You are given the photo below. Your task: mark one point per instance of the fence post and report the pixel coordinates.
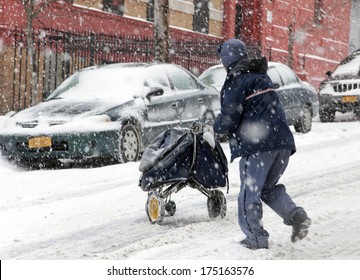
(92, 49)
(66, 59)
(14, 73)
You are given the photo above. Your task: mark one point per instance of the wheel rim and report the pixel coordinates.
(130, 145)
(154, 209)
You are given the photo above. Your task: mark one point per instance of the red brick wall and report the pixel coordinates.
(316, 49)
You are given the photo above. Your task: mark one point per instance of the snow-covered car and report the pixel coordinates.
(340, 92)
(298, 98)
(110, 111)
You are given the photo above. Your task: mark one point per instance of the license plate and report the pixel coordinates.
(39, 142)
(349, 99)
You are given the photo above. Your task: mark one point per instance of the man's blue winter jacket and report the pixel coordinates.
(251, 113)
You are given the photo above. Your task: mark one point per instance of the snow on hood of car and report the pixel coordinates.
(43, 126)
(62, 115)
(68, 109)
(350, 68)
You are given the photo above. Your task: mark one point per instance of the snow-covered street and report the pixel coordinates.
(98, 213)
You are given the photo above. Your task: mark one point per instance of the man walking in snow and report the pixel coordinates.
(254, 120)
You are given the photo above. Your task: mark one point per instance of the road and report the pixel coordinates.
(98, 213)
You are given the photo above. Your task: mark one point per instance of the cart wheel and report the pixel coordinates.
(170, 207)
(216, 204)
(155, 208)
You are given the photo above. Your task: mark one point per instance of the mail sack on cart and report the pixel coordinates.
(173, 156)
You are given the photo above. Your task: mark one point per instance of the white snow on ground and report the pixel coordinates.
(98, 213)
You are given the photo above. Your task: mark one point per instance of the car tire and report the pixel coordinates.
(304, 124)
(129, 143)
(327, 115)
(357, 113)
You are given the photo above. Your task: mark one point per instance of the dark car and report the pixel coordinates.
(110, 111)
(298, 98)
(340, 92)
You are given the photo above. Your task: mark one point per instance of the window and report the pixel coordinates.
(319, 11)
(238, 21)
(201, 16)
(287, 75)
(156, 77)
(274, 76)
(114, 6)
(181, 80)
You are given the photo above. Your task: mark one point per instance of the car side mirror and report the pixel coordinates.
(276, 85)
(155, 91)
(328, 74)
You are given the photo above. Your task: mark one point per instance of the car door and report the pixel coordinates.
(192, 98)
(162, 111)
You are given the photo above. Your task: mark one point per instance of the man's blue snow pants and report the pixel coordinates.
(259, 176)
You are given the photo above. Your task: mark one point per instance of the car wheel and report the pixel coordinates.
(129, 143)
(303, 125)
(327, 115)
(357, 113)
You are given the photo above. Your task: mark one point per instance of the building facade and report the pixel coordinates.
(311, 36)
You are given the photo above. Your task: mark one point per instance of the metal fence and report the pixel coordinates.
(59, 54)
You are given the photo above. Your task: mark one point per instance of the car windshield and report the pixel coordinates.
(107, 82)
(214, 77)
(350, 66)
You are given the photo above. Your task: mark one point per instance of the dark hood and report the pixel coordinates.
(232, 51)
(258, 65)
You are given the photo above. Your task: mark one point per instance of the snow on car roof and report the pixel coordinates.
(103, 82)
(118, 80)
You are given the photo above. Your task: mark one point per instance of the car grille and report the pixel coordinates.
(346, 87)
(60, 146)
(35, 123)
(27, 124)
